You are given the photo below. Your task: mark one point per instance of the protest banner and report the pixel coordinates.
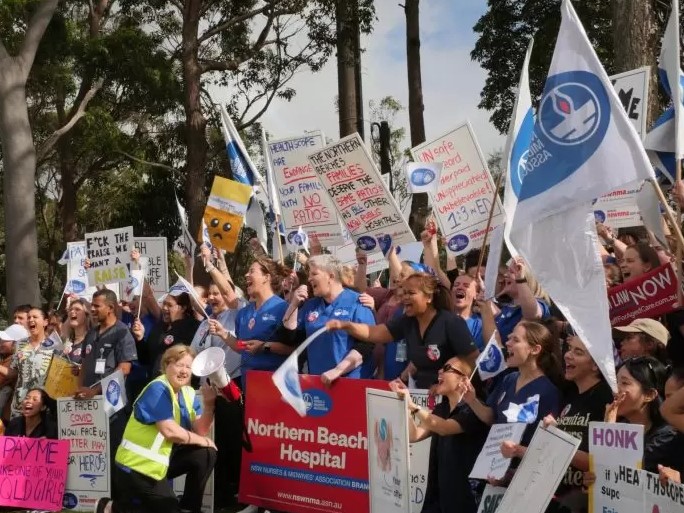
(303, 201)
(632, 89)
(541, 470)
(32, 472)
(208, 497)
(300, 464)
(618, 209)
(464, 197)
(659, 498)
(388, 452)
(368, 210)
(615, 452)
(419, 457)
(109, 253)
(225, 213)
(154, 248)
(490, 462)
(84, 423)
(491, 498)
(77, 275)
(650, 295)
(62, 378)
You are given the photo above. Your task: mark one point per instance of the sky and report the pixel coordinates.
(451, 81)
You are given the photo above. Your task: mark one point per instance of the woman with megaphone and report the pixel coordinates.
(166, 437)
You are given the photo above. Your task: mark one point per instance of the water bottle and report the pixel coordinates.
(401, 351)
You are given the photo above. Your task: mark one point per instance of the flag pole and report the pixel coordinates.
(495, 196)
(668, 213)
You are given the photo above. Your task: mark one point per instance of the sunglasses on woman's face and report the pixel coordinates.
(448, 368)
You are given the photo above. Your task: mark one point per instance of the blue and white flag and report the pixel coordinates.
(286, 378)
(581, 147)
(245, 172)
(185, 244)
(526, 412)
(113, 392)
(297, 240)
(491, 361)
(64, 258)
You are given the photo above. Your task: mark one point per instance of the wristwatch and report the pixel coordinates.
(267, 347)
(521, 280)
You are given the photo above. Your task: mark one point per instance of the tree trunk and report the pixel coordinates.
(346, 68)
(195, 122)
(19, 165)
(635, 37)
(419, 208)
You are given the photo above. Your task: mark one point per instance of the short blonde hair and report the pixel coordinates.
(328, 264)
(175, 353)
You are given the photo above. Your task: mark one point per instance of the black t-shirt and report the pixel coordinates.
(663, 446)
(579, 411)
(451, 460)
(46, 429)
(162, 337)
(446, 336)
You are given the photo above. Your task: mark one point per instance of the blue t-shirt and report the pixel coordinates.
(331, 347)
(394, 368)
(524, 405)
(511, 315)
(155, 404)
(474, 323)
(261, 324)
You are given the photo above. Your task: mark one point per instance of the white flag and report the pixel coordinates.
(491, 361)
(671, 75)
(297, 240)
(493, 261)
(184, 286)
(113, 392)
(581, 147)
(286, 378)
(185, 244)
(134, 286)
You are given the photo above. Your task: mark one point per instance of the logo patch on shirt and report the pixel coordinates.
(433, 352)
(88, 349)
(251, 323)
(340, 311)
(566, 410)
(268, 317)
(48, 343)
(76, 352)
(168, 340)
(312, 316)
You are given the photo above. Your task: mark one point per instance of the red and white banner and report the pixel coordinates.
(317, 463)
(650, 295)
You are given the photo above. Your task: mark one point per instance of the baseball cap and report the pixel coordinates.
(650, 327)
(15, 333)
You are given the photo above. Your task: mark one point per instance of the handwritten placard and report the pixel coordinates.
(109, 253)
(62, 378)
(464, 197)
(157, 268)
(368, 210)
(85, 425)
(303, 201)
(632, 89)
(491, 498)
(419, 455)
(490, 462)
(659, 497)
(32, 472)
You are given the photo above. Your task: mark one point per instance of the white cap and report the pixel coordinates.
(15, 333)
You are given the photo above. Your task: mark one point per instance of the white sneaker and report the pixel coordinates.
(249, 509)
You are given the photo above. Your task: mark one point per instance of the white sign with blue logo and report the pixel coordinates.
(389, 479)
(619, 209)
(490, 462)
(423, 177)
(463, 199)
(368, 210)
(77, 275)
(114, 392)
(303, 201)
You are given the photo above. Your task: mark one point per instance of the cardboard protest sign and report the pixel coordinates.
(225, 212)
(491, 498)
(490, 462)
(303, 201)
(423, 177)
(615, 453)
(32, 472)
(62, 378)
(632, 89)
(650, 295)
(157, 269)
(109, 253)
(388, 452)
(464, 196)
(419, 457)
(618, 209)
(84, 427)
(369, 212)
(541, 469)
(659, 498)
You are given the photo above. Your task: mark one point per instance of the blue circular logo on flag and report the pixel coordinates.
(77, 286)
(573, 119)
(458, 242)
(491, 361)
(422, 176)
(113, 393)
(600, 216)
(296, 238)
(366, 243)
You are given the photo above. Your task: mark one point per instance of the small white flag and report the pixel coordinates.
(53, 341)
(286, 378)
(297, 240)
(134, 286)
(423, 177)
(491, 361)
(113, 392)
(183, 285)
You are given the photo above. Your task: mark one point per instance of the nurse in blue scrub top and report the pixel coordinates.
(332, 354)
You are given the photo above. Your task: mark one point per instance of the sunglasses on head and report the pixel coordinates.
(448, 368)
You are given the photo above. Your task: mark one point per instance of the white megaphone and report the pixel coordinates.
(209, 364)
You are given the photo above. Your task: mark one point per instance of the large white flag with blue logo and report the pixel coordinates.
(581, 147)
